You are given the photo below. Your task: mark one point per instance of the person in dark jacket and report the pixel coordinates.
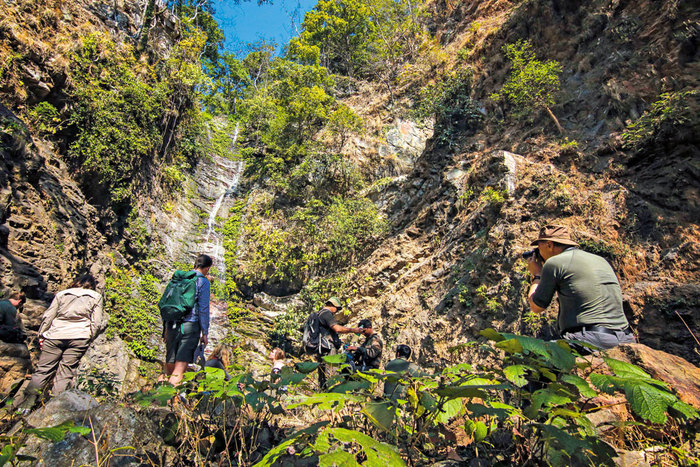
(368, 355)
(10, 326)
(400, 365)
(331, 329)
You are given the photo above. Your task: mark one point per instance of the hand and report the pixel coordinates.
(204, 340)
(534, 266)
(41, 343)
(351, 348)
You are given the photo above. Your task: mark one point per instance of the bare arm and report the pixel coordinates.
(343, 330)
(533, 306)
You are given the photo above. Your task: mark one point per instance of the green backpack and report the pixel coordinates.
(180, 296)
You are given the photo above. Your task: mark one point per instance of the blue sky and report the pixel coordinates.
(248, 22)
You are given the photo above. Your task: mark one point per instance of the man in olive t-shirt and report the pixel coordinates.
(590, 298)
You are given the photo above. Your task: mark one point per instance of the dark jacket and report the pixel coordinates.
(369, 354)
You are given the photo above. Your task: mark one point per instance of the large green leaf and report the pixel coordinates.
(450, 410)
(510, 346)
(336, 359)
(281, 448)
(6, 454)
(337, 459)
(56, 433)
(649, 402)
(351, 386)
(381, 414)
(624, 369)
(378, 454)
(687, 411)
(327, 400)
(492, 334)
(493, 409)
(551, 352)
(564, 448)
(583, 387)
(453, 392)
(306, 367)
(605, 383)
(516, 374)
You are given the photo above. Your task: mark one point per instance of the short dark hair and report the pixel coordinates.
(86, 281)
(404, 351)
(365, 323)
(203, 261)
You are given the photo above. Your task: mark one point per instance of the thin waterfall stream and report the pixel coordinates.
(213, 244)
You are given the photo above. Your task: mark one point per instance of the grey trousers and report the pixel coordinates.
(600, 339)
(59, 357)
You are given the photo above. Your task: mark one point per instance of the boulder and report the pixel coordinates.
(681, 375)
(61, 408)
(108, 367)
(15, 363)
(124, 436)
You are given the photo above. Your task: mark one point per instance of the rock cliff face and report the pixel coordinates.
(49, 230)
(451, 268)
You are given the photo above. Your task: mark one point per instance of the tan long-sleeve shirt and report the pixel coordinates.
(74, 314)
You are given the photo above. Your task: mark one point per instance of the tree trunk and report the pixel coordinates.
(554, 119)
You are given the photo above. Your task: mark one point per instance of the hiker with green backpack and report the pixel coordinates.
(184, 308)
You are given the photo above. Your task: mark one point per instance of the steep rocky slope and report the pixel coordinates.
(451, 268)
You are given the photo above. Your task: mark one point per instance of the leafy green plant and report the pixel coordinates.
(537, 396)
(132, 299)
(670, 111)
(45, 118)
(448, 101)
(493, 195)
(532, 84)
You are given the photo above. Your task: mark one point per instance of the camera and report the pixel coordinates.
(535, 252)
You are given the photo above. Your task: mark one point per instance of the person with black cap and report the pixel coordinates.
(368, 355)
(590, 298)
(321, 335)
(400, 365)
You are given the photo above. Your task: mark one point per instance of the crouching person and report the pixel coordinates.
(590, 298)
(74, 319)
(368, 355)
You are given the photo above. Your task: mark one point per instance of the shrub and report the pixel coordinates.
(132, 302)
(670, 111)
(532, 84)
(530, 406)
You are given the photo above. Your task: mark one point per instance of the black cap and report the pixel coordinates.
(365, 323)
(402, 350)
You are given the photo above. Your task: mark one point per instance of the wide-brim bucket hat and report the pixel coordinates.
(335, 302)
(555, 233)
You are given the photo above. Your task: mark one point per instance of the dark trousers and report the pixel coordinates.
(59, 360)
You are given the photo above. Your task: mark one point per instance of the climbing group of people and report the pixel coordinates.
(321, 338)
(591, 316)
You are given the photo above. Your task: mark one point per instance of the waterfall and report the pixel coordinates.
(212, 241)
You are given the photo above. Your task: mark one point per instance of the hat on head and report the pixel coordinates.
(555, 233)
(333, 301)
(365, 323)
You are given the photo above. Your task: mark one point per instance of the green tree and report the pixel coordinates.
(532, 84)
(343, 31)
